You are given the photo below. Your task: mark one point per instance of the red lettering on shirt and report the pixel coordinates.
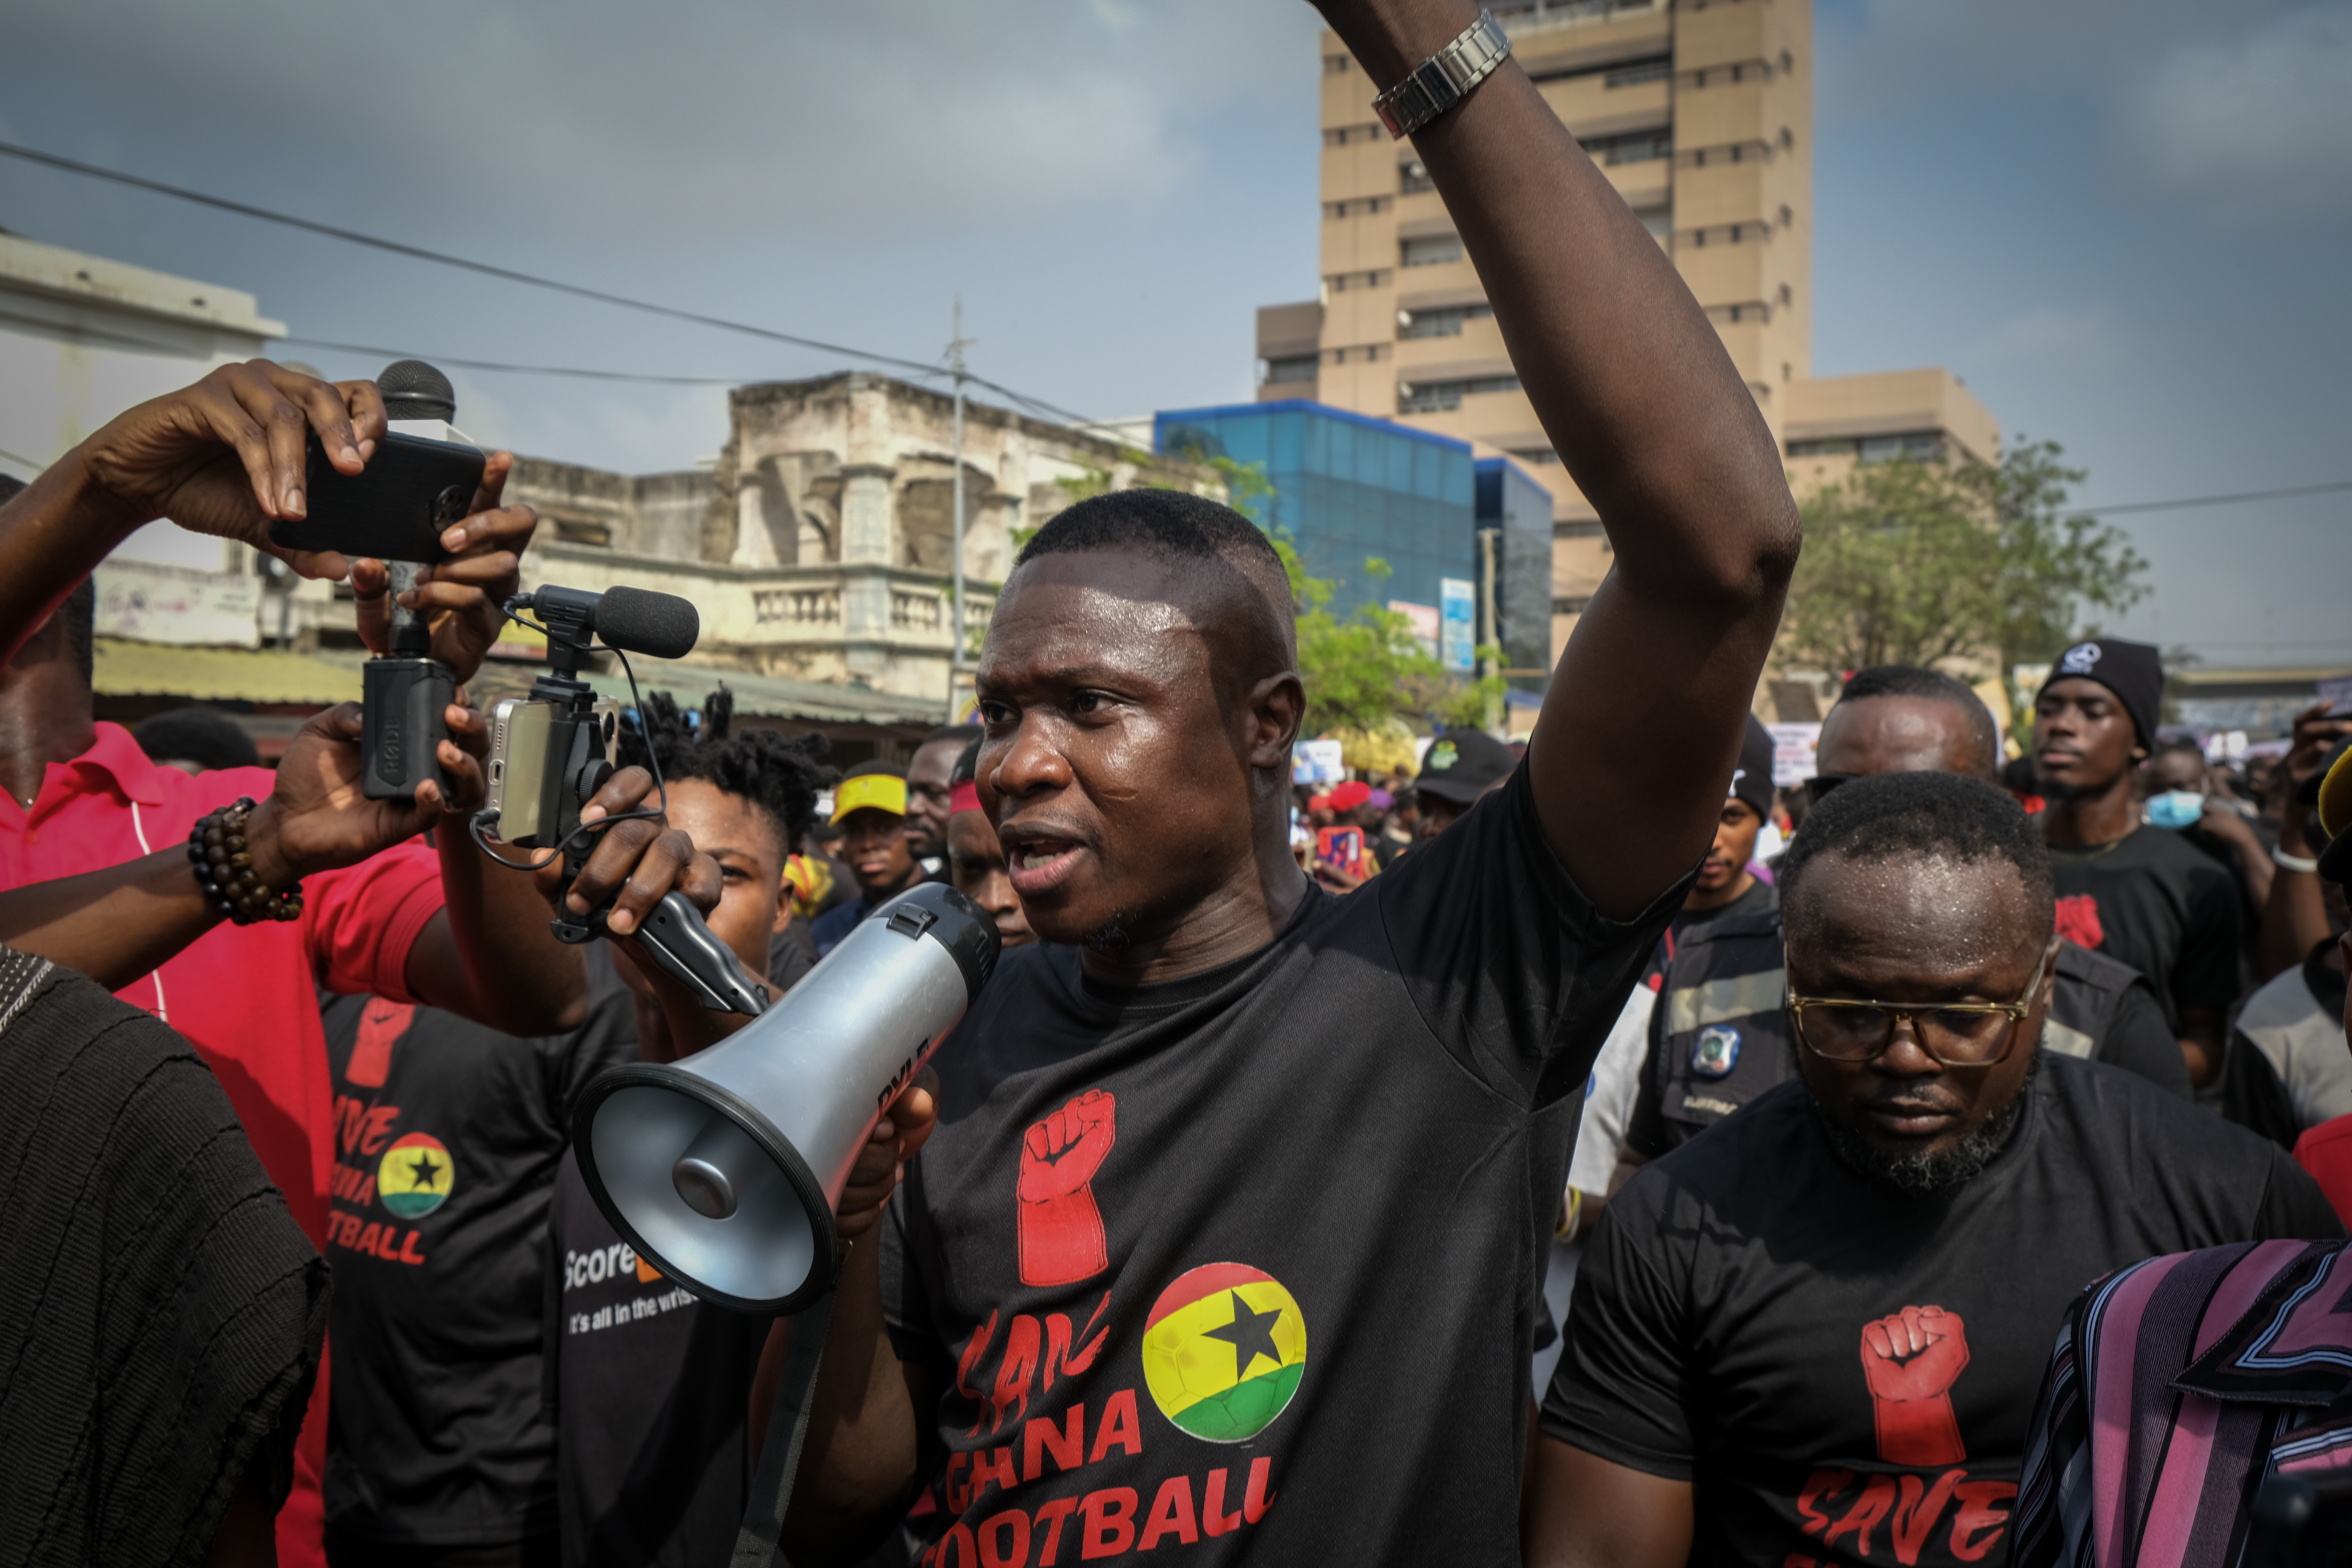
(1013, 1376)
(1258, 1497)
(1876, 1502)
(1004, 1540)
(1066, 1443)
(1213, 1517)
(1049, 1520)
(2078, 921)
(1120, 1428)
(1108, 1527)
(378, 1133)
(1820, 1487)
(1917, 1510)
(998, 1468)
(958, 1494)
(976, 1347)
(1171, 1514)
(1976, 1528)
(1059, 1359)
(381, 1023)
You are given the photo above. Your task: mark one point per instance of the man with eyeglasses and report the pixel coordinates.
(1719, 1038)
(1838, 1363)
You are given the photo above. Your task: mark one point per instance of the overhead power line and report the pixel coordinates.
(504, 368)
(529, 279)
(2215, 500)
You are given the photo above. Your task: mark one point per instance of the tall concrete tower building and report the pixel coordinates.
(1701, 114)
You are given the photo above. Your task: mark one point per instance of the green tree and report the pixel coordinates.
(1909, 563)
(1362, 671)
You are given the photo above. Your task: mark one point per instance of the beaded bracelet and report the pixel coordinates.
(225, 869)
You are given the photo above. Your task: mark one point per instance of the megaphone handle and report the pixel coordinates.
(756, 1544)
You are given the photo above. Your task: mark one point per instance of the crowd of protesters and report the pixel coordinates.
(1573, 1151)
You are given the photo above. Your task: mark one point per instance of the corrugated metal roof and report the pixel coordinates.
(818, 701)
(218, 674)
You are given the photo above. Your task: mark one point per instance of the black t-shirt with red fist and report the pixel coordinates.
(1246, 1263)
(446, 1140)
(2153, 900)
(1844, 1373)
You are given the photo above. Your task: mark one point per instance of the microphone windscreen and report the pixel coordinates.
(411, 389)
(637, 620)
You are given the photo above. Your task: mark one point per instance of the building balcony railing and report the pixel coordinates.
(1520, 18)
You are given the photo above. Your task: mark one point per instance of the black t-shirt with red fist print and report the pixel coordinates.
(2153, 900)
(1247, 1263)
(1844, 1373)
(447, 1136)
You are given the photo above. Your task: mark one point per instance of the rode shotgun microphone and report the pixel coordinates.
(723, 1170)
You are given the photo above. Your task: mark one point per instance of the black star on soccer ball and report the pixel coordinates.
(1250, 1334)
(424, 1170)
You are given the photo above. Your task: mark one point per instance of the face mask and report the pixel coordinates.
(2176, 809)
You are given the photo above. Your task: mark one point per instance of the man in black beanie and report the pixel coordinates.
(1725, 887)
(2125, 887)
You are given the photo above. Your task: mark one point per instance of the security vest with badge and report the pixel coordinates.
(1719, 1037)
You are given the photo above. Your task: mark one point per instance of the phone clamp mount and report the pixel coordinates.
(580, 742)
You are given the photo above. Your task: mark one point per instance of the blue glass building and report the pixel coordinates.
(1347, 486)
(1517, 512)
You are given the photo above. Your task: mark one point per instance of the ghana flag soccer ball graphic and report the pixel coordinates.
(1224, 1350)
(415, 1175)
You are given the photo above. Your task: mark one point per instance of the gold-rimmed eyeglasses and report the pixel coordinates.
(1954, 1033)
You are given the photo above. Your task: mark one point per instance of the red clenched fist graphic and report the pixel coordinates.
(1911, 1359)
(1061, 1228)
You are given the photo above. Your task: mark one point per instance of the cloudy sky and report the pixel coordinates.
(2123, 222)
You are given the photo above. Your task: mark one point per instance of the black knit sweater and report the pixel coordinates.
(161, 1314)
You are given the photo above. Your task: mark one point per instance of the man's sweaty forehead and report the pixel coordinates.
(1213, 600)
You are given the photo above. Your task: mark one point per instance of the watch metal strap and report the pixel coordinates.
(1445, 78)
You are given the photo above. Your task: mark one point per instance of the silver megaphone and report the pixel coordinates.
(723, 1170)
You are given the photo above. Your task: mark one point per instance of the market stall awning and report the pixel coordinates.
(219, 673)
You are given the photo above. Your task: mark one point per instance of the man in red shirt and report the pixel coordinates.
(93, 836)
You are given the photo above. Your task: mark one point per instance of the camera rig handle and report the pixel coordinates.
(674, 933)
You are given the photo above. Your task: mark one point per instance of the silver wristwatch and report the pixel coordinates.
(1445, 78)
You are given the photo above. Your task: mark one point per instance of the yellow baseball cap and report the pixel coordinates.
(869, 791)
(2335, 819)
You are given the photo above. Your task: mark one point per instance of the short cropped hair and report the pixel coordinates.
(952, 732)
(778, 775)
(1925, 816)
(967, 765)
(1189, 530)
(1930, 685)
(197, 734)
(1167, 522)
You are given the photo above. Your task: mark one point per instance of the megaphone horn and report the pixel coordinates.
(723, 1170)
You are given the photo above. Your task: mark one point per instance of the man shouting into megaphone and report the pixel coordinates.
(1230, 1233)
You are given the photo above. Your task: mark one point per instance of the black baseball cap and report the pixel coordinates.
(1463, 765)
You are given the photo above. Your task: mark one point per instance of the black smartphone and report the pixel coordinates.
(396, 509)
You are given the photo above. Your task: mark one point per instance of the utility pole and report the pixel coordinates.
(956, 345)
(1490, 631)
